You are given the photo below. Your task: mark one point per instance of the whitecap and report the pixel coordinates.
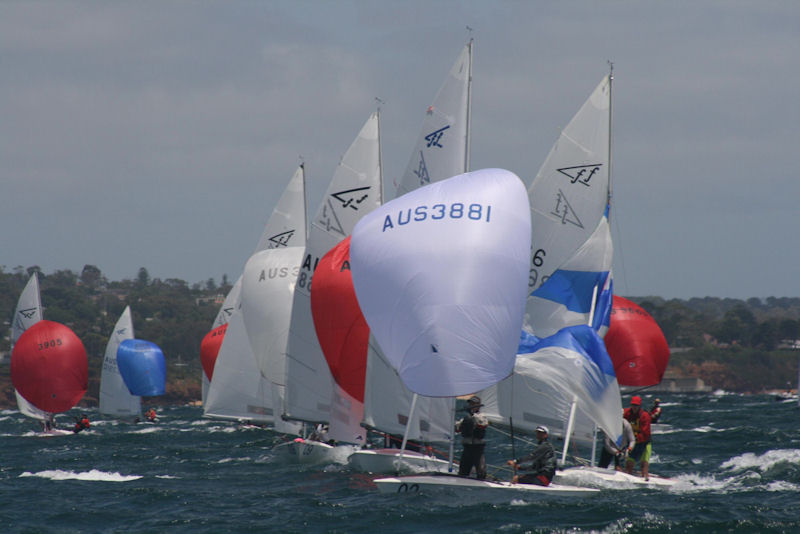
(764, 461)
(94, 475)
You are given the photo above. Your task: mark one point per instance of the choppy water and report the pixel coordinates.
(737, 460)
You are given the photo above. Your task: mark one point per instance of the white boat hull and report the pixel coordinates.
(306, 451)
(479, 489)
(389, 461)
(596, 477)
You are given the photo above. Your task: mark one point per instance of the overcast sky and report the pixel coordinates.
(160, 134)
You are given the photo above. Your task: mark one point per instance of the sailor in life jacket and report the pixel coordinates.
(473, 429)
(81, 424)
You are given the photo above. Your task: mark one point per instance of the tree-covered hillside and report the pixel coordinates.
(729, 343)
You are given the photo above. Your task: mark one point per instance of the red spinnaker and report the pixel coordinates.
(636, 344)
(49, 367)
(341, 328)
(209, 349)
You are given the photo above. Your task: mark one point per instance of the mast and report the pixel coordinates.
(610, 118)
(469, 105)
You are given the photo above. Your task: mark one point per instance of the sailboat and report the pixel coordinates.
(242, 388)
(27, 313)
(441, 151)
(217, 333)
(440, 275)
(311, 391)
(238, 391)
(49, 368)
(268, 284)
(115, 398)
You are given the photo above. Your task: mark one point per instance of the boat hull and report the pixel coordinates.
(479, 490)
(596, 477)
(389, 461)
(306, 451)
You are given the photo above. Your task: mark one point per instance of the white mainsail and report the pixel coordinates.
(354, 190)
(115, 398)
(442, 149)
(268, 286)
(28, 313)
(570, 194)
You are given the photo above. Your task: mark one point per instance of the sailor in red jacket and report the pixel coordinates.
(640, 422)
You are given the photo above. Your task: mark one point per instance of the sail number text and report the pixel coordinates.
(537, 260)
(456, 210)
(50, 343)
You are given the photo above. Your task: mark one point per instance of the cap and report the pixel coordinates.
(636, 400)
(474, 400)
(542, 428)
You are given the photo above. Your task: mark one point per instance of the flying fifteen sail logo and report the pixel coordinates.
(422, 171)
(434, 138)
(28, 313)
(581, 173)
(350, 198)
(281, 240)
(564, 211)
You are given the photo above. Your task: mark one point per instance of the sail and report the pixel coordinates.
(579, 291)
(28, 313)
(229, 305)
(115, 398)
(238, 390)
(442, 149)
(570, 366)
(636, 344)
(49, 367)
(354, 190)
(142, 366)
(268, 283)
(209, 350)
(440, 275)
(343, 336)
(387, 404)
(570, 193)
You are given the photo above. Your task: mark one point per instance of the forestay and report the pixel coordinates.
(440, 275)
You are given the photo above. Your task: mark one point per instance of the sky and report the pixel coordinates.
(160, 134)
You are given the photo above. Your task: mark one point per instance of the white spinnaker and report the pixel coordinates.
(440, 275)
(28, 313)
(571, 190)
(442, 149)
(115, 398)
(354, 190)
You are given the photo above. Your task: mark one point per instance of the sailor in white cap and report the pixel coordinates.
(542, 462)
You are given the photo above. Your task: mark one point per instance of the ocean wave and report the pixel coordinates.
(94, 475)
(763, 462)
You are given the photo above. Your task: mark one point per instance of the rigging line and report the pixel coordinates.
(516, 436)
